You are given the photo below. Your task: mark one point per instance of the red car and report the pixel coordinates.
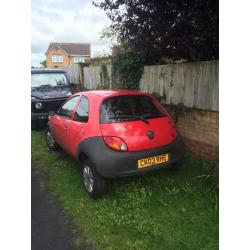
(114, 133)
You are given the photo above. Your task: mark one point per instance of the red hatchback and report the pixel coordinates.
(114, 133)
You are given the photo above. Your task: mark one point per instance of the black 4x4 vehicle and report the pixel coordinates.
(49, 89)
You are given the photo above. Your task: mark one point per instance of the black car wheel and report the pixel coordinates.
(94, 183)
(50, 141)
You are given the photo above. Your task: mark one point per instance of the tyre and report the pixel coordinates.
(50, 141)
(94, 183)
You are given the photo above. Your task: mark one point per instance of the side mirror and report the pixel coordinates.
(51, 113)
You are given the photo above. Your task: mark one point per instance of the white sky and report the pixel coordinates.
(66, 21)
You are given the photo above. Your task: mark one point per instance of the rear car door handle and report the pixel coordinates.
(65, 126)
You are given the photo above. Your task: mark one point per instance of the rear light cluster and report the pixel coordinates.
(115, 143)
(173, 129)
(173, 132)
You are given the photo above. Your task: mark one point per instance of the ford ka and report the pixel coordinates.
(114, 133)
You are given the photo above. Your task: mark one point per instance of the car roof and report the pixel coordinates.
(47, 70)
(102, 94)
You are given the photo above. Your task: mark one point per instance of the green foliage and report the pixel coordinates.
(171, 29)
(44, 63)
(105, 80)
(82, 65)
(176, 110)
(127, 68)
(160, 210)
(108, 32)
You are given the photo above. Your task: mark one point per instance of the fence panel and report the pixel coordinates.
(73, 72)
(92, 76)
(194, 84)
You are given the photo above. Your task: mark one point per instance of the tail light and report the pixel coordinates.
(173, 132)
(115, 143)
(173, 128)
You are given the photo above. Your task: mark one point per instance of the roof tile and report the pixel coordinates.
(72, 48)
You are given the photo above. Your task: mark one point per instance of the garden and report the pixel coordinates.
(161, 210)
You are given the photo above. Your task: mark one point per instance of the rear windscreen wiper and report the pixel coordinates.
(130, 116)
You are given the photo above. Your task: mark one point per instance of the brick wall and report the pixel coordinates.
(200, 131)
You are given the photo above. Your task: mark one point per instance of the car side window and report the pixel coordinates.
(68, 107)
(82, 111)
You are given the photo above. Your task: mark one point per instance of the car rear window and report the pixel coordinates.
(128, 108)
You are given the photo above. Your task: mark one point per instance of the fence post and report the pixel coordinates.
(81, 76)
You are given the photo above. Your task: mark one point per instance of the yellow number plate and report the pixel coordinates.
(147, 162)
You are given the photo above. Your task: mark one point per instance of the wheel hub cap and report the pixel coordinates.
(50, 139)
(88, 178)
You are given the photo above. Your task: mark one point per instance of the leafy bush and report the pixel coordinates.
(127, 68)
(105, 80)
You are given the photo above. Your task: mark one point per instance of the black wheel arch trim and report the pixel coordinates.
(109, 163)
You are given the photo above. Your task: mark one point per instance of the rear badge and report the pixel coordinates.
(150, 134)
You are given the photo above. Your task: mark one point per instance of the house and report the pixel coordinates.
(64, 54)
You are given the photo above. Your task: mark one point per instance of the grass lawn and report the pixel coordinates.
(160, 210)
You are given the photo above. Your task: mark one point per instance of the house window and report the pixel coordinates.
(78, 59)
(57, 58)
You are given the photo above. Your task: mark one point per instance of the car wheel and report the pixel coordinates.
(50, 141)
(94, 183)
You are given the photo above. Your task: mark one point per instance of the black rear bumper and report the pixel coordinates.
(111, 163)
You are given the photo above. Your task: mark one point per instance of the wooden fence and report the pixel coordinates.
(92, 76)
(74, 73)
(194, 84)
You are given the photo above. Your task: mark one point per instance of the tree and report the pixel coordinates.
(166, 28)
(44, 63)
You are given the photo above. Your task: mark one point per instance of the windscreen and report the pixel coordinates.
(128, 108)
(48, 79)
